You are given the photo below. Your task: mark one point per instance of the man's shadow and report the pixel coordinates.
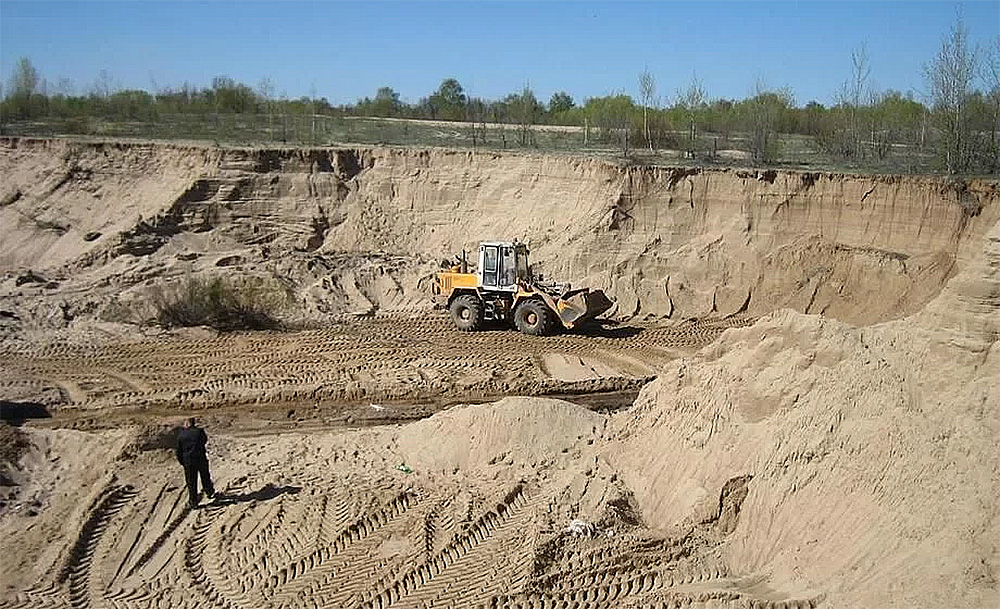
(265, 493)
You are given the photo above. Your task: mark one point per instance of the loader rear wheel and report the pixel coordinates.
(533, 317)
(467, 313)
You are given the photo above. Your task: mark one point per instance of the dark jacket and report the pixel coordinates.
(191, 443)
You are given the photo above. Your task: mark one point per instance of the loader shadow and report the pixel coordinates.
(16, 413)
(605, 329)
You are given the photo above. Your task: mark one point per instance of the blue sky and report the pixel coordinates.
(344, 50)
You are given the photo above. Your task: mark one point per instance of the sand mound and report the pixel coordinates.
(872, 451)
(521, 431)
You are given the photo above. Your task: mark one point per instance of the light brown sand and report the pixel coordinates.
(834, 445)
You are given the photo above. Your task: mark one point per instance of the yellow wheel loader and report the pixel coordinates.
(502, 290)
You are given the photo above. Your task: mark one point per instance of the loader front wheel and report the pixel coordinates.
(533, 317)
(467, 313)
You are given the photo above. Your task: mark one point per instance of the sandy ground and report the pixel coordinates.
(797, 403)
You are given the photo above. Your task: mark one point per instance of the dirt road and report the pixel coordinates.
(389, 368)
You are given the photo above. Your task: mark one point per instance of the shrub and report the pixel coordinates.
(223, 304)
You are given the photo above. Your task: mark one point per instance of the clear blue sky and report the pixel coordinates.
(344, 50)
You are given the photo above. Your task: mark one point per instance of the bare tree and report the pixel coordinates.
(104, 85)
(991, 76)
(855, 93)
(691, 102)
(949, 76)
(647, 90)
(524, 108)
(266, 90)
(25, 79)
(764, 110)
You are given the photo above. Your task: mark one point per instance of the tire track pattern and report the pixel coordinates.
(390, 358)
(83, 581)
(367, 548)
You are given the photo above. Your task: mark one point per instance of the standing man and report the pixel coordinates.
(191, 453)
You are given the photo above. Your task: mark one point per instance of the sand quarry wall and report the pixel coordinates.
(673, 242)
(871, 452)
(868, 450)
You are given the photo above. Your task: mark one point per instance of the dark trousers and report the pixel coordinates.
(191, 472)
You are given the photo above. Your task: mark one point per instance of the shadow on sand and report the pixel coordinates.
(266, 493)
(605, 328)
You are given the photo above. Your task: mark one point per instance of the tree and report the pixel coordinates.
(691, 103)
(477, 110)
(104, 85)
(991, 76)
(854, 94)
(612, 115)
(25, 79)
(647, 89)
(23, 95)
(231, 96)
(560, 102)
(763, 114)
(386, 102)
(266, 91)
(448, 102)
(949, 78)
(525, 109)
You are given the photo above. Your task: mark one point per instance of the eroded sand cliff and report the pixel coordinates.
(833, 445)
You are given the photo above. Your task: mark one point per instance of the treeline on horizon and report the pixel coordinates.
(960, 126)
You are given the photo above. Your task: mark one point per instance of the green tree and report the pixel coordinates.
(231, 96)
(525, 109)
(448, 102)
(762, 115)
(813, 116)
(612, 115)
(560, 102)
(23, 98)
(386, 102)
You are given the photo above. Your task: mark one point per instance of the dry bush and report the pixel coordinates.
(224, 304)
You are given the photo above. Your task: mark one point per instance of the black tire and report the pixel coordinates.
(467, 312)
(533, 317)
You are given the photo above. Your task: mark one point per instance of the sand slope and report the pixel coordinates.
(838, 451)
(872, 450)
(362, 230)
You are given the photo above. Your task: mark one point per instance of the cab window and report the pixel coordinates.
(490, 269)
(508, 275)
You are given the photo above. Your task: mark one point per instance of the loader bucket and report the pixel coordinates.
(578, 306)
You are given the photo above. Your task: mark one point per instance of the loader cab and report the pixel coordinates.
(502, 265)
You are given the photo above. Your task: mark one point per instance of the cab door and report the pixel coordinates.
(508, 268)
(490, 265)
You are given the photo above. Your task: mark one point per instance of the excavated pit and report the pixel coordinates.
(812, 356)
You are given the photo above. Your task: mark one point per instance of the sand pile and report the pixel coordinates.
(872, 451)
(522, 431)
